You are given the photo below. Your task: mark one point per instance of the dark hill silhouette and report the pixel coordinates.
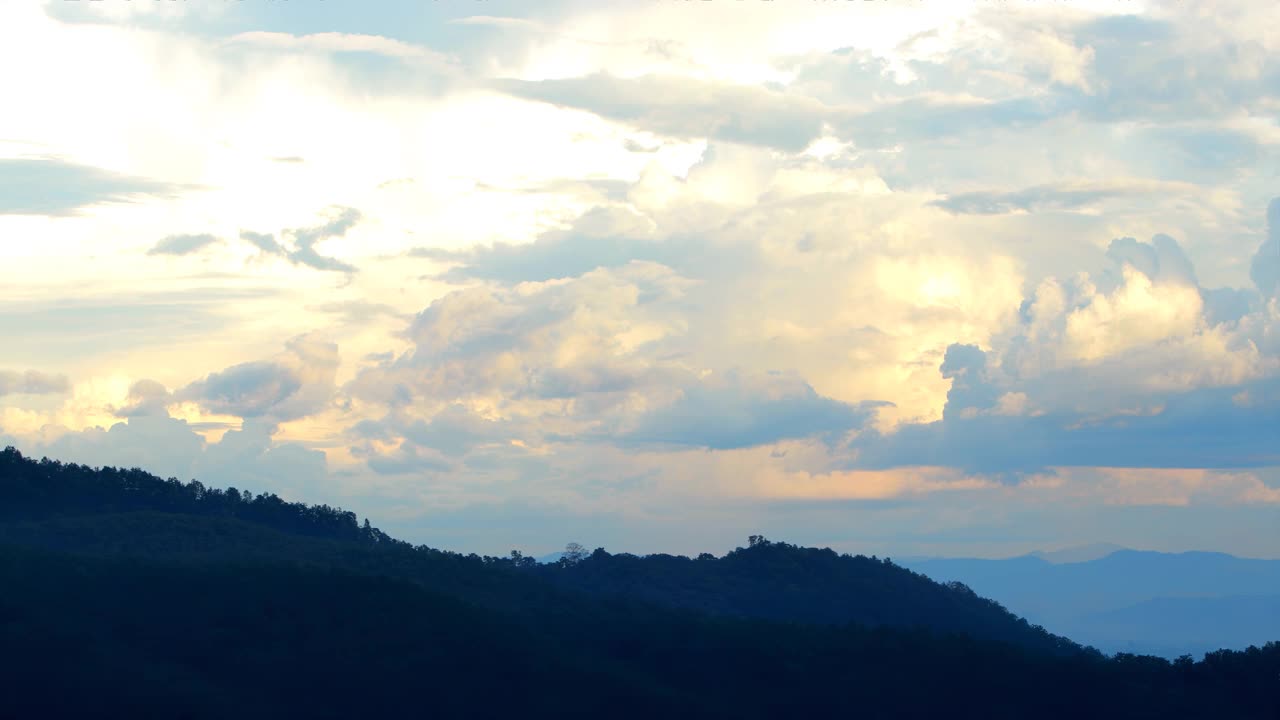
(131, 596)
(778, 581)
(75, 508)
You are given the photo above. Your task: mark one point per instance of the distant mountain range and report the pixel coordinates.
(1122, 600)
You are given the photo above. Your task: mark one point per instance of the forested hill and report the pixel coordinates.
(131, 596)
(779, 581)
(73, 507)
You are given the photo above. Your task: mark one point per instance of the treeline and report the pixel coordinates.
(784, 582)
(131, 596)
(37, 489)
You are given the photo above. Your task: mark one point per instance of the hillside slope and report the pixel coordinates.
(131, 596)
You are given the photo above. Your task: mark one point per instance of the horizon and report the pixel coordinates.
(899, 279)
(1108, 548)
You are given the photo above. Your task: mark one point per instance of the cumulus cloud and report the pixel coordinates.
(249, 389)
(1138, 375)
(32, 382)
(1265, 269)
(735, 411)
(297, 383)
(630, 237)
(592, 359)
(146, 398)
(182, 244)
(600, 238)
(245, 458)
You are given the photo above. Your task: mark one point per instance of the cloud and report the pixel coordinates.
(182, 244)
(535, 341)
(297, 383)
(1166, 79)
(123, 321)
(53, 186)
(1127, 369)
(1055, 197)
(337, 42)
(409, 459)
(264, 242)
(686, 108)
(305, 240)
(1196, 429)
(735, 412)
(249, 389)
(1265, 269)
(32, 382)
(600, 238)
(360, 312)
(246, 458)
(146, 398)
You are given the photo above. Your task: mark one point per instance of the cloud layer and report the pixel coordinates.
(877, 276)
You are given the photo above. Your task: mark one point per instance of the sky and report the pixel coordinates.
(906, 277)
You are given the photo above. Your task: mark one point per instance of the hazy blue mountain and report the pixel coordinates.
(1173, 626)
(1081, 553)
(1137, 601)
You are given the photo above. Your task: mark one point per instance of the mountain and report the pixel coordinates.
(132, 596)
(114, 512)
(778, 581)
(1081, 553)
(1173, 626)
(1102, 601)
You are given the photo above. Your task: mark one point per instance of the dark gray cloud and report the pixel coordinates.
(305, 240)
(739, 412)
(32, 382)
(1198, 429)
(1229, 305)
(297, 383)
(182, 244)
(52, 186)
(1162, 260)
(966, 367)
(408, 458)
(1265, 269)
(250, 389)
(454, 431)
